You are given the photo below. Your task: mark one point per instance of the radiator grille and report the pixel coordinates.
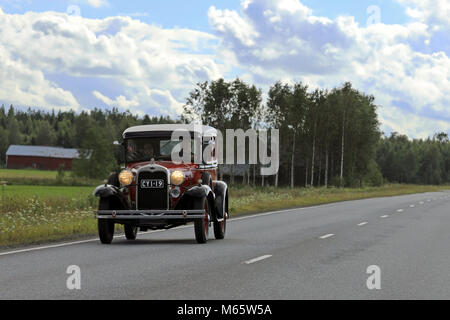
(152, 198)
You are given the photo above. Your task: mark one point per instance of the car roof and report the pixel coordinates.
(155, 129)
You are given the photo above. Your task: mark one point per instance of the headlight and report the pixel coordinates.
(126, 177)
(177, 177)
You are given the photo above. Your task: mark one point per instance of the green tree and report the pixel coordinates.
(4, 143)
(97, 158)
(45, 134)
(14, 135)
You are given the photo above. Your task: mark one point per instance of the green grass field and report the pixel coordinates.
(36, 214)
(6, 174)
(244, 200)
(47, 191)
(43, 178)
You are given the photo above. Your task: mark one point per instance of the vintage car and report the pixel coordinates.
(155, 192)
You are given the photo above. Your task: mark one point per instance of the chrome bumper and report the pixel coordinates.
(149, 214)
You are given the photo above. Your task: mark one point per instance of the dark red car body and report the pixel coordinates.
(152, 200)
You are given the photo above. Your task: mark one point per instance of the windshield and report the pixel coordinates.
(144, 149)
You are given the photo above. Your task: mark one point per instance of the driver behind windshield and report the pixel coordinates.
(148, 152)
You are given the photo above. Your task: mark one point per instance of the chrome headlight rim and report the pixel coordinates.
(177, 177)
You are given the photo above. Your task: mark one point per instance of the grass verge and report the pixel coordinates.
(37, 214)
(246, 200)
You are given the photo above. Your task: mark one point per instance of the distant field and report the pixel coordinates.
(46, 192)
(26, 173)
(43, 178)
(31, 214)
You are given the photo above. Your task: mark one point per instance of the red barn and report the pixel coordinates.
(43, 158)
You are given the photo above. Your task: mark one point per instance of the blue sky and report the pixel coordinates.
(168, 14)
(193, 14)
(146, 56)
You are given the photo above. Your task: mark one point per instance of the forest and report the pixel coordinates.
(327, 137)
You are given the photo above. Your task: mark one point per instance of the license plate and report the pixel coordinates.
(152, 183)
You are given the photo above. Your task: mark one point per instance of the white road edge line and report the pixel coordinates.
(258, 259)
(362, 223)
(67, 244)
(326, 236)
(150, 232)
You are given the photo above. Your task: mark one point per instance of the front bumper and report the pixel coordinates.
(150, 215)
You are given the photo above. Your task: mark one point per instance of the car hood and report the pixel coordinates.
(168, 164)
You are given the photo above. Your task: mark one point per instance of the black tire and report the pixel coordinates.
(105, 226)
(130, 232)
(220, 227)
(201, 226)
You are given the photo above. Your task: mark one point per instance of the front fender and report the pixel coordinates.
(106, 191)
(221, 199)
(198, 191)
(114, 194)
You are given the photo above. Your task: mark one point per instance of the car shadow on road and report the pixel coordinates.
(154, 242)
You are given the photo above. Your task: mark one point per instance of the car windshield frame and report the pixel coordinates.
(136, 149)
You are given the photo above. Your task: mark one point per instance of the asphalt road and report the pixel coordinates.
(311, 253)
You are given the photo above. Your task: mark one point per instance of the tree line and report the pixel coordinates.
(94, 130)
(327, 137)
(415, 161)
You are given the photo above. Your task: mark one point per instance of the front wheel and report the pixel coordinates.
(105, 231)
(105, 227)
(219, 228)
(201, 226)
(130, 232)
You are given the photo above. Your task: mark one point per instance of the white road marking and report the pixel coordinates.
(362, 224)
(385, 216)
(281, 211)
(326, 236)
(412, 206)
(181, 227)
(72, 243)
(400, 210)
(421, 202)
(47, 247)
(154, 231)
(428, 200)
(257, 259)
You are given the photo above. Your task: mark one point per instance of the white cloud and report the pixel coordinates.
(435, 13)
(98, 3)
(21, 86)
(120, 101)
(227, 21)
(289, 42)
(149, 69)
(152, 68)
